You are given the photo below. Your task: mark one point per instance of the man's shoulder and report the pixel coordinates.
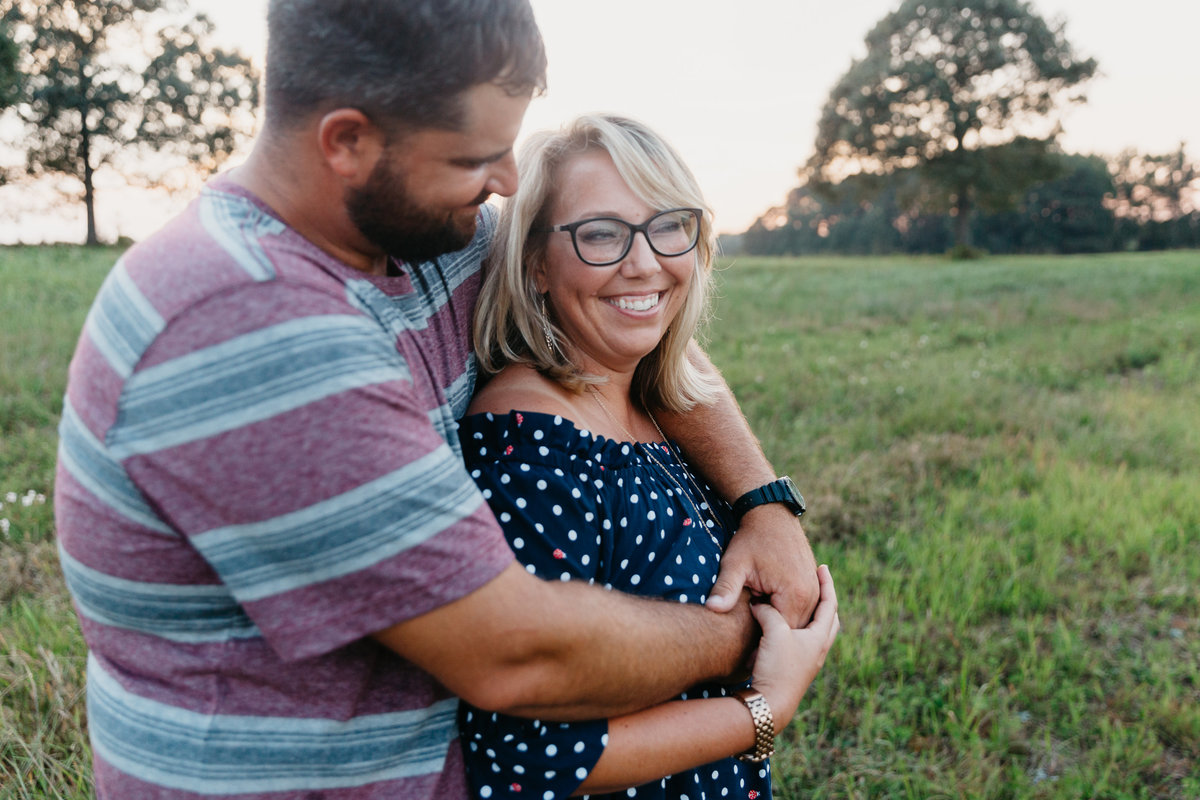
(223, 268)
(223, 240)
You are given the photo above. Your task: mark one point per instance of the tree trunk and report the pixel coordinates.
(89, 190)
(962, 218)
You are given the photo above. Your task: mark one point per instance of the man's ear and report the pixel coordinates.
(350, 143)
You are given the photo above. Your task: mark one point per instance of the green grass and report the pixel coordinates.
(1001, 460)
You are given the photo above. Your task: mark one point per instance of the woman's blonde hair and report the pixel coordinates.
(509, 318)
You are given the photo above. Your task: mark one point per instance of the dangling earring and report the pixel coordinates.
(546, 330)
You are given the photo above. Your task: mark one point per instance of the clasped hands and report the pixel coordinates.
(769, 559)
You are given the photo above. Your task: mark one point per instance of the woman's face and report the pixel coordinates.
(612, 315)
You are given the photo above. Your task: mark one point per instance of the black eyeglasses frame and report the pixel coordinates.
(643, 229)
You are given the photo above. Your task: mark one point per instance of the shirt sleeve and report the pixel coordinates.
(282, 433)
(552, 517)
(551, 514)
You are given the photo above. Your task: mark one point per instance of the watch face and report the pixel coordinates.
(794, 494)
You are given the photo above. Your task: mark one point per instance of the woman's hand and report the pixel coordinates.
(788, 660)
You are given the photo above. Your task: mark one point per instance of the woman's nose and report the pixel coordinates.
(641, 258)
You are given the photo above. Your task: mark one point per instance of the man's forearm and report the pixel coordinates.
(770, 553)
(628, 652)
(569, 650)
(718, 441)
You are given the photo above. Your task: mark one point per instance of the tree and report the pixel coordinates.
(10, 79)
(1153, 187)
(1069, 214)
(109, 79)
(964, 92)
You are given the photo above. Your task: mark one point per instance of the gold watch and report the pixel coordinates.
(764, 725)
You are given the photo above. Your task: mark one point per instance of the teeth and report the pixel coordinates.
(643, 304)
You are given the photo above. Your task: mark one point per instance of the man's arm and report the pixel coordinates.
(567, 650)
(770, 553)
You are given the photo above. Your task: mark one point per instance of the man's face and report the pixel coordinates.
(423, 195)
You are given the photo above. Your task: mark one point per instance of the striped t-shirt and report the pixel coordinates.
(258, 467)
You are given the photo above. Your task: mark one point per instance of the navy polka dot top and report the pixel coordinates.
(575, 506)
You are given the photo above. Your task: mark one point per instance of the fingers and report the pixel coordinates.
(794, 607)
(826, 616)
(769, 619)
(730, 580)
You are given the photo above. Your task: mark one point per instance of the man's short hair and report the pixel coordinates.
(403, 62)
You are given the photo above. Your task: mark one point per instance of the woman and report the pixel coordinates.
(598, 280)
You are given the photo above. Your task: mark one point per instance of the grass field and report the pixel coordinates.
(1002, 459)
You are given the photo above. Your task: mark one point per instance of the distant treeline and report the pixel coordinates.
(1092, 205)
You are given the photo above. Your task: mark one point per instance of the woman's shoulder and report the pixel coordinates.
(519, 387)
(521, 415)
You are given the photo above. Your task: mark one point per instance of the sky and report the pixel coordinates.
(748, 79)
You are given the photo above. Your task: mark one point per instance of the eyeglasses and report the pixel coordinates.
(603, 241)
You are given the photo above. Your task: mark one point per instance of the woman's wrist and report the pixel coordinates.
(780, 703)
(764, 725)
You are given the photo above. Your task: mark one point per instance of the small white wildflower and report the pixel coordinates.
(863, 344)
(11, 497)
(899, 390)
(4, 525)
(27, 500)
(40, 499)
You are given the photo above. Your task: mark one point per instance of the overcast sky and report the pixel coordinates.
(750, 77)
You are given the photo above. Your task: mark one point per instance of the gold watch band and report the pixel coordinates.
(764, 725)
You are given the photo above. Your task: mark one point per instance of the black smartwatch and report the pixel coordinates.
(780, 490)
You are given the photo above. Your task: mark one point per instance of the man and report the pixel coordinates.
(282, 570)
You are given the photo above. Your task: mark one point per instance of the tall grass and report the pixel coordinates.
(1001, 461)
(44, 296)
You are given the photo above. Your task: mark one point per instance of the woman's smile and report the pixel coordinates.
(635, 302)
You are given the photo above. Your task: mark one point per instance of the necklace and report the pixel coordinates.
(648, 450)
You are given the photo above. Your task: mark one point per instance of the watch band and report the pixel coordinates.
(780, 490)
(764, 725)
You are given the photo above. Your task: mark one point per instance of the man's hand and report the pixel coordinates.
(769, 555)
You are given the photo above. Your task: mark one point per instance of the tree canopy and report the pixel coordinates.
(110, 77)
(1130, 201)
(964, 93)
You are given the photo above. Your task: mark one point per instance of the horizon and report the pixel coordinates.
(739, 97)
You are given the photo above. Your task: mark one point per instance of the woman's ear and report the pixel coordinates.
(350, 144)
(538, 273)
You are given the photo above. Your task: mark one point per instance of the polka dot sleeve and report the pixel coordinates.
(543, 497)
(546, 504)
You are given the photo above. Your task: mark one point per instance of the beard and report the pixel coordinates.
(385, 213)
